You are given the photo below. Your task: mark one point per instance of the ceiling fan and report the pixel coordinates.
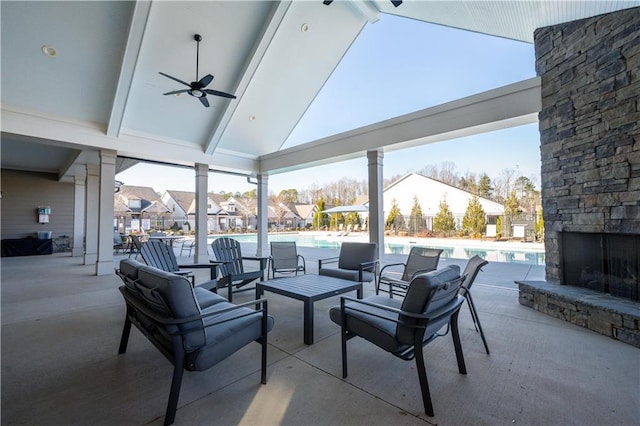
(197, 87)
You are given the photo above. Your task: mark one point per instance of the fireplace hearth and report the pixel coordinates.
(608, 263)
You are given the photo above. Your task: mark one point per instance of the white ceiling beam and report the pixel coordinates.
(368, 10)
(87, 135)
(127, 70)
(254, 59)
(508, 106)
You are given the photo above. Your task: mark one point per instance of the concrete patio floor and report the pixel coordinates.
(61, 328)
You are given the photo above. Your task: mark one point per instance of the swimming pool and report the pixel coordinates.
(454, 248)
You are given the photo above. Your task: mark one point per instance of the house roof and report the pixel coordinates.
(182, 198)
(431, 192)
(102, 91)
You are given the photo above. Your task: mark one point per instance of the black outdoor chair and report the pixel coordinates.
(159, 255)
(135, 245)
(117, 242)
(356, 262)
(193, 328)
(285, 259)
(229, 255)
(470, 273)
(403, 327)
(187, 245)
(420, 260)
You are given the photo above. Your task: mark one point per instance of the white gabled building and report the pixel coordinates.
(430, 193)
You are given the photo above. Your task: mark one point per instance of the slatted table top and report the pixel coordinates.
(309, 287)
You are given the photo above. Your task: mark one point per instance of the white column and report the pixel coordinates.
(263, 215)
(376, 205)
(202, 189)
(92, 191)
(104, 265)
(79, 213)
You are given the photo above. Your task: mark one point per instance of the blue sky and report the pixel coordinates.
(397, 66)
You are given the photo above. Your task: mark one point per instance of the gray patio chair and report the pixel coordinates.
(229, 254)
(135, 245)
(193, 328)
(285, 259)
(470, 273)
(356, 262)
(420, 260)
(118, 244)
(404, 327)
(159, 255)
(188, 245)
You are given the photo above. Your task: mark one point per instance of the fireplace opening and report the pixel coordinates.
(608, 263)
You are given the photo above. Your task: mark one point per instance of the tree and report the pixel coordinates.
(288, 196)
(352, 218)
(468, 183)
(485, 189)
(394, 220)
(511, 209)
(251, 195)
(474, 220)
(416, 221)
(320, 218)
(444, 220)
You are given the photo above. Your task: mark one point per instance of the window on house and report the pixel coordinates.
(135, 204)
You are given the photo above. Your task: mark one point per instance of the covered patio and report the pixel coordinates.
(61, 328)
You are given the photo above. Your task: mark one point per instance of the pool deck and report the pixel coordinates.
(61, 326)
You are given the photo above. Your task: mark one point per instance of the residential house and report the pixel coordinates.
(305, 213)
(430, 193)
(139, 208)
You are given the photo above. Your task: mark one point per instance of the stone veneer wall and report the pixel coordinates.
(590, 136)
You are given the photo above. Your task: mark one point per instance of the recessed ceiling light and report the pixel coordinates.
(304, 28)
(49, 51)
(252, 117)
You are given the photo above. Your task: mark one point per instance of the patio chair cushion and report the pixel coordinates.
(417, 300)
(347, 274)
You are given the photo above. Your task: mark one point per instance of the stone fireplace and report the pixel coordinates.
(607, 263)
(590, 150)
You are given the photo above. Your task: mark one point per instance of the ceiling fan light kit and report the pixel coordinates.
(197, 88)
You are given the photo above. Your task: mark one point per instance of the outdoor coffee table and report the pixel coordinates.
(308, 288)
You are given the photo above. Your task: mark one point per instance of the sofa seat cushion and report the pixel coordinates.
(223, 339)
(347, 274)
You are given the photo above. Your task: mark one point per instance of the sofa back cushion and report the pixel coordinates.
(172, 295)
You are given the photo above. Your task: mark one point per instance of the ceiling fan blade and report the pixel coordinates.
(204, 101)
(204, 81)
(176, 92)
(175, 79)
(218, 93)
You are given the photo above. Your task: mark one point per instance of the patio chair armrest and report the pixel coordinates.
(422, 318)
(263, 260)
(212, 266)
(302, 257)
(389, 265)
(369, 265)
(421, 271)
(162, 319)
(327, 260)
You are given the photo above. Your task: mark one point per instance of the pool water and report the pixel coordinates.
(456, 251)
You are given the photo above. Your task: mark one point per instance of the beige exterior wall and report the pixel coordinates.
(23, 192)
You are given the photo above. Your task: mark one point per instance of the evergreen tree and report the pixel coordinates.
(485, 189)
(394, 220)
(444, 220)
(320, 218)
(416, 221)
(474, 220)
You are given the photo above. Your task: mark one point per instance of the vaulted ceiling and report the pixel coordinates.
(102, 89)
